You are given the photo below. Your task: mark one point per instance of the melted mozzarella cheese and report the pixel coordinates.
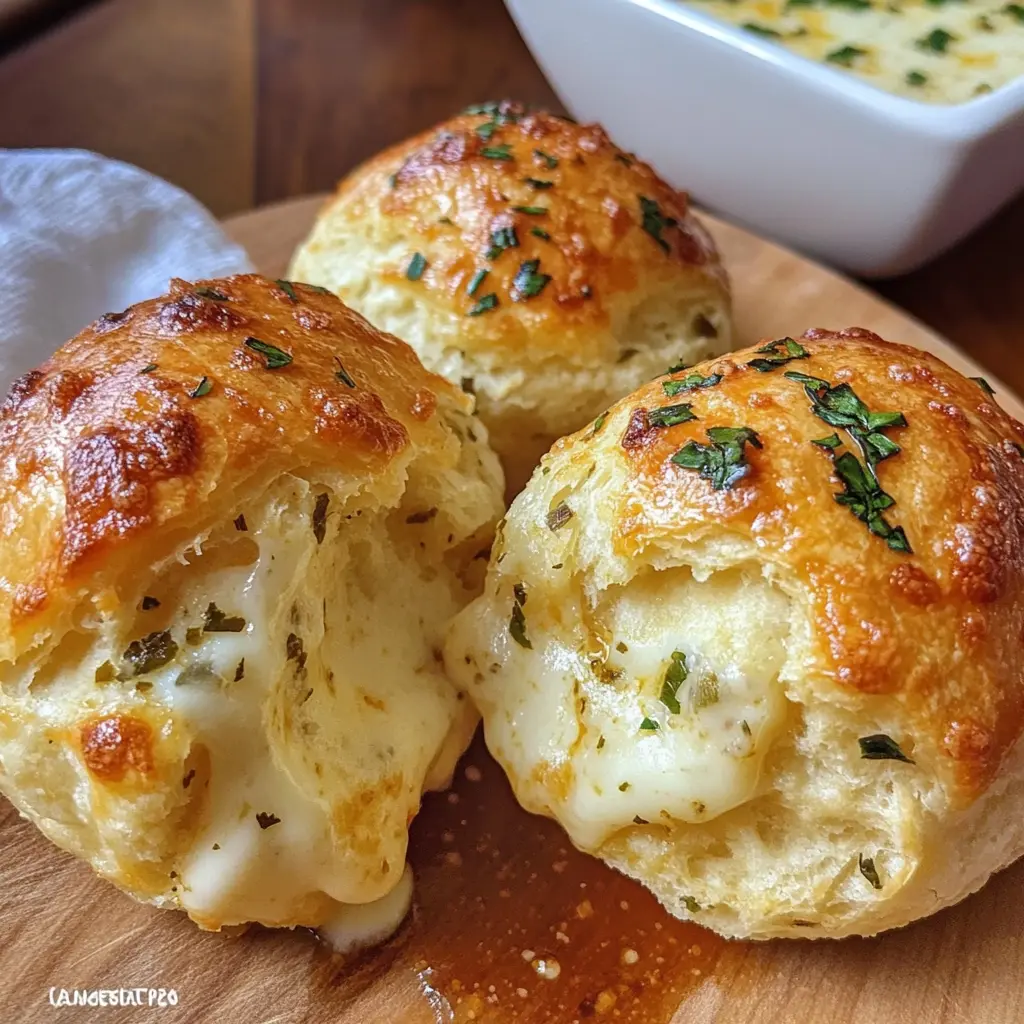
(353, 928)
(584, 730)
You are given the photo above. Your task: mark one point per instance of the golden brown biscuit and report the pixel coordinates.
(528, 259)
(235, 520)
(755, 638)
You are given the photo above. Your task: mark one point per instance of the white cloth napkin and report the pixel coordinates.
(81, 235)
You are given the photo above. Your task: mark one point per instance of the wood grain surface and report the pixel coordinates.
(494, 882)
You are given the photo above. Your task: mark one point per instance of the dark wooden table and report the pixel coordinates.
(244, 102)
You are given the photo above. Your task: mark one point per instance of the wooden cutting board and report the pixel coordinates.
(499, 890)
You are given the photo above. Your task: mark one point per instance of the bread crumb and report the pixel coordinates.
(522, 993)
(630, 956)
(528, 955)
(584, 910)
(473, 773)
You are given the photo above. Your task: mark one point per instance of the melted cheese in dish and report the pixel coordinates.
(591, 732)
(937, 52)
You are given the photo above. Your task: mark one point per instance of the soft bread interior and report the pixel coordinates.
(282, 675)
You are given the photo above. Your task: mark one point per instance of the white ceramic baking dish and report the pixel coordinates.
(795, 150)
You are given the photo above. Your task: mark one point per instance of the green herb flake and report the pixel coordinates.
(490, 108)
(529, 282)
(845, 55)
(194, 636)
(654, 222)
(485, 305)
(540, 233)
(204, 387)
(984, 385)
(623, 787)
(559, 516)
(445, 220)
(599, 423)
(343, 375)
(1015, 11)
(549, 161)
(624, 158)
(868, 870)
(240, 671)
(830, 443)
(502, 152)
(215, 621)
(880, 747)
(840, 406)
(289, 289)
(205, 292)
(705, 694)
(690, 382)
(148, 368)
(320, 517)
(937, 41)
(502, 239)
(648, 725)
(539, 184)
(149, 602)
(916, 78)
(532, 211)
(675, 676)
(266, 820)
(517, 624)
(275, 358)
(475, 281)
(637, 820)
(417, 265)
(778, 353)
(319, 289)
(151, 652)
(487, 129)
(723, 462)
(671, 415)
(691, 904)
(761, 30)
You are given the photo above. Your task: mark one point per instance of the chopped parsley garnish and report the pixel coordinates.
(215, 621)
(205, 292)
(342, 374)
(319, 289)
(532, 211)
(867, 869)
(266, 820)
(549, 161)
(675, 676)
(599, 423)
(502, 239)
(489, 109)
(540, 184)
(416, 267)
(487, 129)
(276, 358)
(529, 282)
(487, 303)
(840, 406)
(320, 517)
(623, 786)
(691, 904)
(830, 443)
(761, 30)
(723, 462)
(845, 55)
(475, 281)
(540, 233)
(937, 40)
(445, 220)
(289, 289)
(778, 353)
(984, 385)
(880, 747)
(517, 624)
(670, 415)
(690, 382)
(148, 368)
(151, 652)
(654, 221)
(149, 602)
(916, 78)
(502, 152)
(559, 516)
(648, 725)
(204, 387)
(1016, 11)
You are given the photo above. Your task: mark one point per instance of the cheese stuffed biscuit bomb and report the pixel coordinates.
(755, 638)
(235, 520)
(528, 259)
